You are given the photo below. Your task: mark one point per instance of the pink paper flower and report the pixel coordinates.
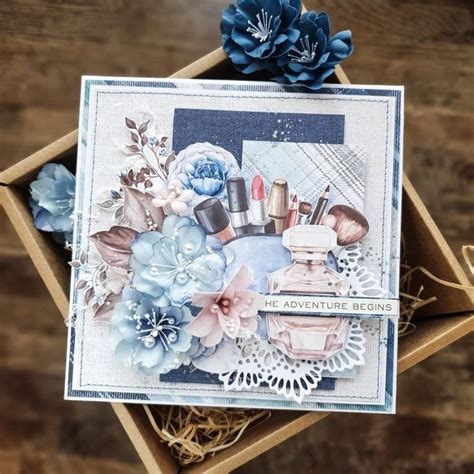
(232, 312)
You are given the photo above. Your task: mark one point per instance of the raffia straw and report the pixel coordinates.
(411, 301)
(193, 433)
(465, 249)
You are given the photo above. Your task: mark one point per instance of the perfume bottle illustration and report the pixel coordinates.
(308, 273)
(308, 337)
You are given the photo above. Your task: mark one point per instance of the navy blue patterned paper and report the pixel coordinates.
(228, 128)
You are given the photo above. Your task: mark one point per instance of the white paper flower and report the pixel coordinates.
(134, 163)
(173, 198)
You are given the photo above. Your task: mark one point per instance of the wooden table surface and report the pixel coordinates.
(45, 46)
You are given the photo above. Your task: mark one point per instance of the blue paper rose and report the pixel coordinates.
(256, 32)
(180, 260)
(203, 168)
(314, 56)
(52, 201)
(150, 337)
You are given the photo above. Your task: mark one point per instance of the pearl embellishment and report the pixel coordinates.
(149, 341)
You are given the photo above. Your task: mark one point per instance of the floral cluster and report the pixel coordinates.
(155, 266)
(273, 36)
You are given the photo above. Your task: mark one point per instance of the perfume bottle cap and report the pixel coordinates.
(237, 194)
(311, 242)
(212, 215)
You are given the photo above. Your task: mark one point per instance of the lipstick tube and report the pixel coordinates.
(214, 219)
(304, 210)
(238, 205)
(290, 220)
(278, 203)
(261, 223)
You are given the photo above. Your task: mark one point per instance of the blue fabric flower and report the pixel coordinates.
(314, 56)
(151, 337)
(52, 201)
(204, 168)
(256, 32)
(177, 262)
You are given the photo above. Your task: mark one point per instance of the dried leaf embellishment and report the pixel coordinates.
(90, 293)
(133, 148)
(139, 212)
(105, 311)
(130, 123)
(118, 214)
(82, 256)
(143, 127)
(106, 204)
(114, 245)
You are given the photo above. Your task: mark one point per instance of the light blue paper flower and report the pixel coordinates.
(314, 56)
(52, 201)
(180, 260)
(256, 32)
(150, 337)
(204, 168)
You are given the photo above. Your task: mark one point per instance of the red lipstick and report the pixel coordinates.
(258, 188)
(261, 223)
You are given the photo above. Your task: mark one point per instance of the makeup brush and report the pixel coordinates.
(348, 223)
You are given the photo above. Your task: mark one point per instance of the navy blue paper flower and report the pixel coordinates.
(314, 56)
(256, 32)
(52, 201)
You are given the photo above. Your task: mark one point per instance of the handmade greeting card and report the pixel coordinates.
(236, 244)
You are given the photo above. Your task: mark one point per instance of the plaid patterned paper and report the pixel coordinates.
(313, 167)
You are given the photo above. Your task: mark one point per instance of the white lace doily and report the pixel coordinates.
(362, 281)
(353, 353)
(260, 362)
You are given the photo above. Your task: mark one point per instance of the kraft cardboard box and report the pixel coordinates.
(425, 246)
